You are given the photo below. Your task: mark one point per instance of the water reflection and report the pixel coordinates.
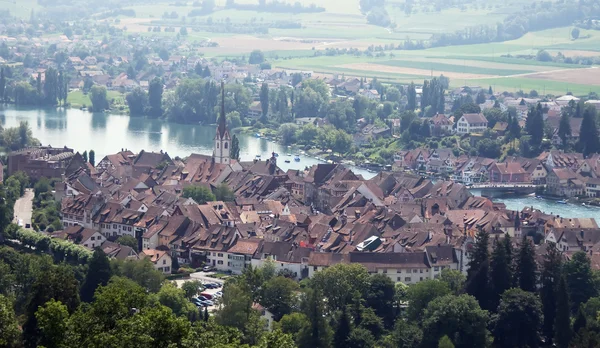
(99, 120)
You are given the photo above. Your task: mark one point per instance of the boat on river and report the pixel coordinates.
(561, 202)
(297, 158)
(287, 161)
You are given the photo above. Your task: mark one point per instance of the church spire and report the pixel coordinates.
(222, 122)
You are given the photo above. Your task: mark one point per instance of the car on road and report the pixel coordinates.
(20, 223)
(206, 269)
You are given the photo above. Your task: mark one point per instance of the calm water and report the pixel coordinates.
(108, 133)
(547, 206)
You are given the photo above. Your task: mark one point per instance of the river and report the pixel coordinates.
(547, 206)
(109, 133)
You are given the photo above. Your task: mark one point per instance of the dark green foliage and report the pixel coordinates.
(155, 94)
(459, 317)
(500, 273)
(317, 334)
(223, 193)
(235, 148)
(99, 98)
(526, 267)
(562, 321)
(564, 129)
(98, 274)
(380, 297)
(412, 97)
(137, 101)
(128, 241)
(92, 157)
(477, 275)
(421, 294)
(589, 141)
(551, 272)
(519, 320)
(579, 277)
(342, 330)
(199, 194)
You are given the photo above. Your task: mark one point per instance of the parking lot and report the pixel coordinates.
(204, 277)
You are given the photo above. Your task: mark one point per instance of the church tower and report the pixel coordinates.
(222, 146)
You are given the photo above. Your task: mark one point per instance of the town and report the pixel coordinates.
(377, 210)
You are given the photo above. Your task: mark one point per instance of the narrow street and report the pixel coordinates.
(24, 207)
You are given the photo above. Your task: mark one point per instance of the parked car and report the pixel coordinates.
(197, 301)
(219, 293)
(208, 296)
(211, 286)
(202, 298)
(209, 303)
(206, 269)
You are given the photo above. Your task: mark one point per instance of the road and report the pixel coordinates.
(23, 207)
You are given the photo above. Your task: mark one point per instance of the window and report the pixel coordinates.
(436, 268)
(217, 145)
(219, 262)
(164, 262)
(315, 268)
(399, 279)
(226, 145)
(167, 269)
(220, 254)
(420, 271)
(93, 238)
(114, 226)
(385, 271)
(415, 271)
(421, 279)
(407, 279)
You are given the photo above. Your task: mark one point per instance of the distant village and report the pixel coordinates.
(403, 225)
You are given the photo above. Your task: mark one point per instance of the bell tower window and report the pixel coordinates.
(226, 146)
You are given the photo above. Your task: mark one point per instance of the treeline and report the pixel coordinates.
(544, 16)
(275, 6)
(49, 92)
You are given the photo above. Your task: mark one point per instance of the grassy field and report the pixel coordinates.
(78, 98)
(20, 8)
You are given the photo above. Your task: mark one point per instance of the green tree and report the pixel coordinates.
(575, 33)
(99, 273)
(380, 297)
(526, 267)
(85, 156)
(99, 98)
(171, 296)
(287, 132)
(456, 316)
(142, 272)
(137, 101)
(52, 321)
(293, 323)
(564, 129)
(155, 94)
(360, 338)
(519, 320)
(129, 241)
(256, 57)
(340, 282)
(200, 194)
(589, 141)
(343, 329)
(445, 341)
(92, 157)
(412, 97)
(317, 334)
(2, 84)
(404, 335)
(58, 283)
(192, 288)
(223, 193)
(276, 339)
(235, 148)
(562, 321)
(500, 273)
(551, 272)
(535, 125)
(264, 101)
(454, 278)
(579, 277)
(478, 270)
(421, 294)
(236, 305)
(279, 296)
(9, 329)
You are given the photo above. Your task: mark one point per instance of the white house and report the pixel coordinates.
(472, 123)
(161, 259)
